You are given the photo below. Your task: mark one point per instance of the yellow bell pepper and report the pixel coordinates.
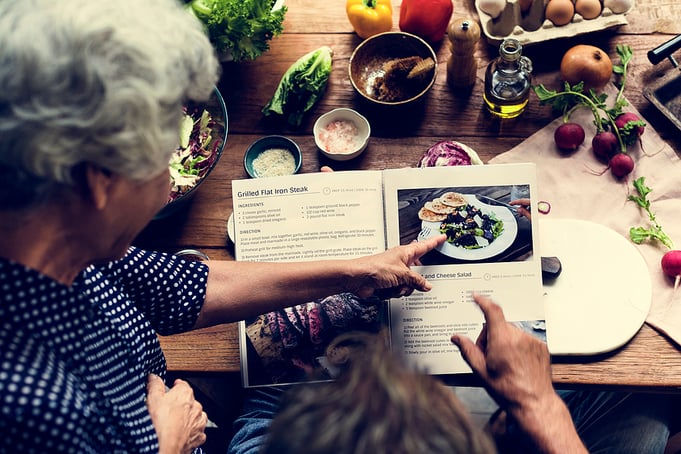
(370, 17)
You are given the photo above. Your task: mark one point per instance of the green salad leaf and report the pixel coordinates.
(654, 232)
(244, 27)
(196, 153)
(301, 86)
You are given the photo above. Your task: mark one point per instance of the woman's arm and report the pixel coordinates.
(238, 290)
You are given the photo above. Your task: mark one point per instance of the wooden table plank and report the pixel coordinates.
(650, 361)
(213, 349)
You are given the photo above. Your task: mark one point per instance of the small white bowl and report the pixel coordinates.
(336, 143)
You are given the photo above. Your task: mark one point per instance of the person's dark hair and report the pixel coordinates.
(377, 405)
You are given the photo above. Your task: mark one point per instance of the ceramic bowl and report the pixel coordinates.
(193, 255)
(341, 134)
(274, 165)
(379, 69)
(215, 106)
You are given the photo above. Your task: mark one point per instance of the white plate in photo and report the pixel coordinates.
(602, 296)
(499, 245)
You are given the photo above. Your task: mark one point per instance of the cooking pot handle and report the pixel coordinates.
(665, 50)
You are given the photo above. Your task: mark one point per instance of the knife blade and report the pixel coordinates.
(513, 208)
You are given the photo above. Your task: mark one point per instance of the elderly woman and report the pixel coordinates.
(90, 102)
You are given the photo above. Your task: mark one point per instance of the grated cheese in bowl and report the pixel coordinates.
(274, 162)
(272, 156)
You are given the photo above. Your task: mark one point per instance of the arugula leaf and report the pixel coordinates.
(626, 54)
(654, 232)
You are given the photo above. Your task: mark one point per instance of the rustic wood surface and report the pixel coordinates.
(649, 361)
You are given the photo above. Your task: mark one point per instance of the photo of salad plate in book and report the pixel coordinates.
(349, 214)
(474, 229)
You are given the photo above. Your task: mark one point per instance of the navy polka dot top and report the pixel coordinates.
(74, 361)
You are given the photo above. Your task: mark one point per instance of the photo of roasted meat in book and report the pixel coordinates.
(290, 345)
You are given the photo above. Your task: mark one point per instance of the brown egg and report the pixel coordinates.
(588, 9)
(559, 12)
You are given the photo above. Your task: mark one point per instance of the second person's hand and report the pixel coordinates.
(516, 370)
(514, 365)
(523, 207)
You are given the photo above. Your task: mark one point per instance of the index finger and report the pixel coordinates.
(493, 313)
(422, 247)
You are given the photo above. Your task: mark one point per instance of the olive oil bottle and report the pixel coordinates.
(508, 80)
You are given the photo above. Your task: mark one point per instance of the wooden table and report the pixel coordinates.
(649, 361)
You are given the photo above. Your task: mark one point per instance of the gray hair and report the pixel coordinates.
(376, 406)
(99, 82)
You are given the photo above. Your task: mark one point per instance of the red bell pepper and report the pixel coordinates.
(427, 19)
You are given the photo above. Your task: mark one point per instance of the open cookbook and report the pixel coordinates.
(491, 249)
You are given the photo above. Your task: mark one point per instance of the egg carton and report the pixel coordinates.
(532, 26)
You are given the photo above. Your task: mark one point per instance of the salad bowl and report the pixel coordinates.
(203, 133)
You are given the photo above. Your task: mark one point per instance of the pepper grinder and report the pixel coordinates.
(462, 66)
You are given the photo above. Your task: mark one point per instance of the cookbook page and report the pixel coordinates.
(304, 217)
(490, 250)
(313, 216)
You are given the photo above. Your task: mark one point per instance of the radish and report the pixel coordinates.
(632, 121)
(621, 165)
(671, 265)
(630, 127)
(569, 136)
(605, 144)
